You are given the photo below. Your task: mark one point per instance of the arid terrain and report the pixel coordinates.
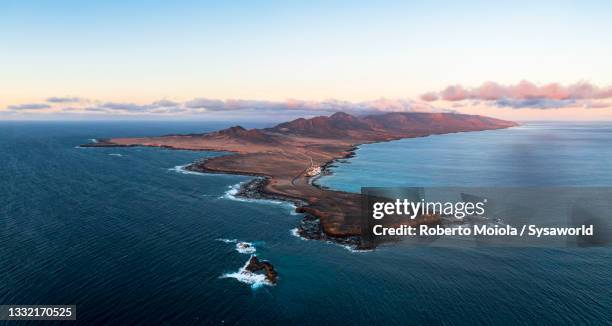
(286, 154)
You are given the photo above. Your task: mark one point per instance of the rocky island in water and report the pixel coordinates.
(289, 155)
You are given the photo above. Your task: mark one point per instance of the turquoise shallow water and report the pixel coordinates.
(128, 239)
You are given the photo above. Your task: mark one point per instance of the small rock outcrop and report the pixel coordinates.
(255, 265)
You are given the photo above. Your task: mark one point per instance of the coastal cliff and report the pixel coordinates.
(284, 157)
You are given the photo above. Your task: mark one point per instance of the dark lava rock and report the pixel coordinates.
(255, 265)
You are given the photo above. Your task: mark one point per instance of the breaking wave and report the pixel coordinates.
(353, 250)
(295, 232)
(245, 248)
(233, 191)
(232, 194)
(182, 169)
(227, 240)
(242, 247)
(245, 276)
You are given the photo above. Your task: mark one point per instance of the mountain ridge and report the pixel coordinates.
(386, 125)
(285, 156)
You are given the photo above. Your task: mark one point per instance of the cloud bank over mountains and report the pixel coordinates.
(526, 94)
(28, 107)
(75, 105)
(523, 95)
(64, 99)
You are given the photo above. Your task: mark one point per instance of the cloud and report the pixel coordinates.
(330, 105)
(596, 105)
(85, 110)
(165, 103)
(64, 99)
(127, 107)
(525, 94)
(398, 105)
(429, 97)
(28, 106)
(203, 105)
(454, 93)
(535, 103)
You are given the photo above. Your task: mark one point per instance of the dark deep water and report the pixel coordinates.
(128, 239)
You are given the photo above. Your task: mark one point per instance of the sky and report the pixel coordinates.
(532, 60)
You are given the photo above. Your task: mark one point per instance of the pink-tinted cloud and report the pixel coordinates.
(204, 105)
(430, 96)
(330, 105)
(454, 93)
(597, 105)
(526, 94)
(524, 90)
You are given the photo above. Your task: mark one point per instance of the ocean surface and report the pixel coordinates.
(130, 238)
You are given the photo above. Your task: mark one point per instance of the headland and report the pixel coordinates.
(286, 157)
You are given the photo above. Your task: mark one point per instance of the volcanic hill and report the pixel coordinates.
(283, 154)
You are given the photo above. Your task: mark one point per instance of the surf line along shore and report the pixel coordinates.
(285, 158)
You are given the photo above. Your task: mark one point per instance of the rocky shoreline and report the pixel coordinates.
(326, 168)
(309, 227)
(282, 158)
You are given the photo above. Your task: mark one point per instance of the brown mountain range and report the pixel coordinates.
(285, 154)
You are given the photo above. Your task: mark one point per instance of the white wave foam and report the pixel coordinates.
(242, 247)
(115, 154)
(245, 248)
(352, 249)
(295, 232)
(227, 240)
(233, 190)
(182, 169)
(245, 276)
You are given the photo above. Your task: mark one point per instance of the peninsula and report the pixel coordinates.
(286, 158)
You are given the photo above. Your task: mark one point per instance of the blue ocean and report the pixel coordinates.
(131, 238)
